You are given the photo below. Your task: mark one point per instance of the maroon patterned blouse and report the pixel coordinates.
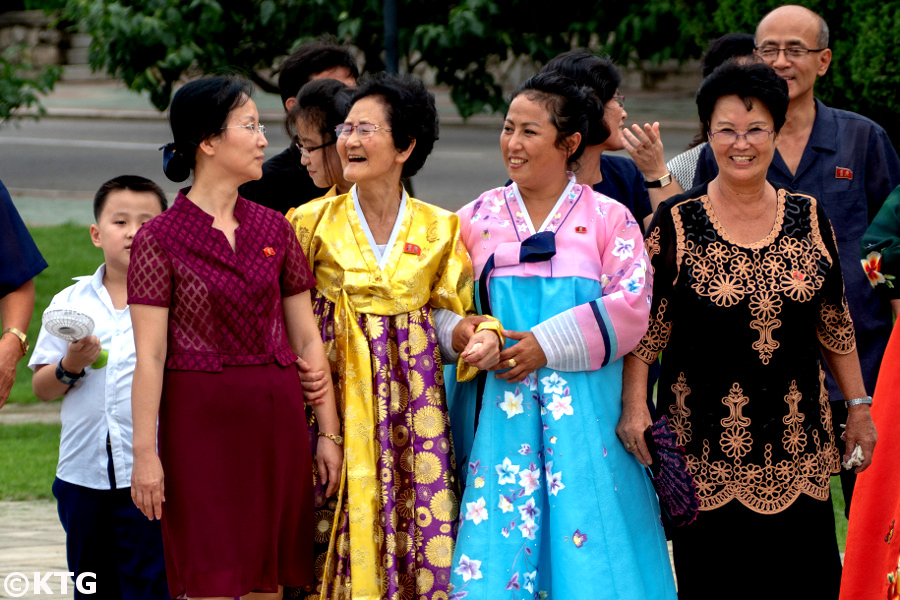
(224, 305)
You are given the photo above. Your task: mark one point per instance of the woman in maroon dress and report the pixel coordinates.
(220, 299)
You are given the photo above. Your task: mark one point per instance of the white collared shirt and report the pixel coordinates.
(99, 402)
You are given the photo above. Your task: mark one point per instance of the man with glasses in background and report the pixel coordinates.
(841, 158)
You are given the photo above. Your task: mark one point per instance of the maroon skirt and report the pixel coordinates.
(238, 511)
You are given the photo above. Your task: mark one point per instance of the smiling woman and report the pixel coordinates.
(747, 296)
(563, 268)
(393, 285)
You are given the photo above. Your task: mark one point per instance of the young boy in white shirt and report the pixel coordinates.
(105, 533)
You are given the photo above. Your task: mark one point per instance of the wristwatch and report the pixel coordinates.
(65, 377)
(334, 437)
(659, 183)
(23, 339)
(856, 401)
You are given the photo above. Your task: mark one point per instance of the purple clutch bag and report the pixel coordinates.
(671, 478)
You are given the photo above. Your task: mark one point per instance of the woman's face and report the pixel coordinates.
(528, 144)
(240, 144)
(740, 160)
(614, 116)
(322, 162)
(370, 157)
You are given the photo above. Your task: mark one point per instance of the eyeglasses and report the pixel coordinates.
(770, 53)
(727, 137)
(305, 152)
(251, 127)
(363, 130)
(620, 100)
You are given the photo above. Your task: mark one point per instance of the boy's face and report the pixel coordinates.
(124, 213)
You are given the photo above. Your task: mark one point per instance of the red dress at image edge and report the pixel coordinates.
(873, 534)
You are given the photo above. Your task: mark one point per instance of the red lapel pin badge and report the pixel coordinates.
(843, 173)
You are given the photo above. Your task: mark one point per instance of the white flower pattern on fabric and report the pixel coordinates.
(561, 405)
(528, 583)
(623, 248)
(528, 529)
(512, 404)
(554, 480)
(530, 480)
(477, 511)
(554, 384)
(469, 568)
(529, 511)
(507, 471)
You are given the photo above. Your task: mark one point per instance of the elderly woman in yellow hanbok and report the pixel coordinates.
(394, 283)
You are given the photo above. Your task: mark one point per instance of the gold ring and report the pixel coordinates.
(630, 445)
(512, 363)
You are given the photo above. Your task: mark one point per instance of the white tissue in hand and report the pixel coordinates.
(856, 458)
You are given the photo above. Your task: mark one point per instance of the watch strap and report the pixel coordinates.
(334, 437)
(858, 401)
(65, 377)
(659, 183)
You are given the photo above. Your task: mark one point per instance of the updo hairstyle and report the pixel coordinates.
(200, 110)
(572, 108)
(595, 72)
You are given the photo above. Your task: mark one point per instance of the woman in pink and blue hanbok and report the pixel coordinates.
(553, 504)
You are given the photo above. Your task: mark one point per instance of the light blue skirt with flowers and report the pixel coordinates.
(553, 506)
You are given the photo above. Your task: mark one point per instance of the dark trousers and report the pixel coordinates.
(107, 535)
(732, 552)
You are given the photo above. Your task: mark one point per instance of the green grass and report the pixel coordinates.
(28, 455)
(69, 253)
(840, 521)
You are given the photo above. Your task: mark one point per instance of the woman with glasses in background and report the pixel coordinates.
(641, 182)
(394, 284)
(748, 296)
(220, 301)
(321, 106)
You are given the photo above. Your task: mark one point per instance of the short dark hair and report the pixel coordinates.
(596, 72)
(748, 81)
(411, 113)
(324, 103)
(730, 45)
(135, 183)
(310, 59)
(200, 110)
(572, 107)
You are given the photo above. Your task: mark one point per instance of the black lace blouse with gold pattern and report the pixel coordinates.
(742, 326)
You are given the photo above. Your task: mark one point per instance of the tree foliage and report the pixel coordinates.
(21, 83)
(469, 45)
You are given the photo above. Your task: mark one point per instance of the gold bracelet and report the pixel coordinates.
(467, 372)
(334, 437)
(492, 324)
(23, 339)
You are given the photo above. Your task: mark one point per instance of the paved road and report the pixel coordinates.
(96, 131)
(31, 540)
